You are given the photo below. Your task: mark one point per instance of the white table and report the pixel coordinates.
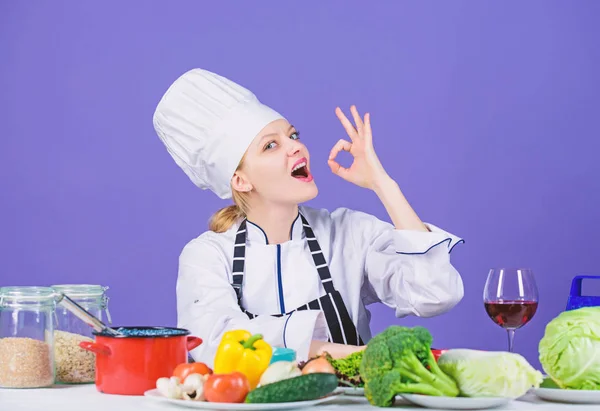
(86, 398)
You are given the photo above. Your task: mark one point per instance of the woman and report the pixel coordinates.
(300, 276)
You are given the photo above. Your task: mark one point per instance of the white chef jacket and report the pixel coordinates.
(369, 261)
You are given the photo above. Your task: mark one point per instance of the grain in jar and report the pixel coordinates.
(74, 365)
(25, 363)
(26, 337)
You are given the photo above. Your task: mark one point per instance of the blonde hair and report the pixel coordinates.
(223, 219)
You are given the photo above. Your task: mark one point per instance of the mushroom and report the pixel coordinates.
(193, 387)
(169, 387)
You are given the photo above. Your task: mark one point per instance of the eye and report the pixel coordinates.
(270, 145)
(295, 135)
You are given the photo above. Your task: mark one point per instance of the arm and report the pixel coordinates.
(207, 306)
(402, 214)
(406, 265)
(407, 270)
(335, 350)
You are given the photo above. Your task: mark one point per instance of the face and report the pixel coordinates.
(276, 166)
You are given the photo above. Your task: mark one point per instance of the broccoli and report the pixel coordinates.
(399, 360)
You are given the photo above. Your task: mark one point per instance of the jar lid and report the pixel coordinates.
(27, 294)
(80, 290)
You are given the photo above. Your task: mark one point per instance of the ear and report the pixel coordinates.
(239, 182)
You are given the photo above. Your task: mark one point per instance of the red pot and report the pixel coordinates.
(131, 364)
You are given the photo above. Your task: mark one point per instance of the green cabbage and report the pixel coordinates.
(570, 349)
(489, 373)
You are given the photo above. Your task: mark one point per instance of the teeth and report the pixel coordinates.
(299, 166)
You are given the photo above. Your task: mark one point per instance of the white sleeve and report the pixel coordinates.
(409, 271)
(207, 307)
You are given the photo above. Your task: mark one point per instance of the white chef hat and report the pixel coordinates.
(207, 123)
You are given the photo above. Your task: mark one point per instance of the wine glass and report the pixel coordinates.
(511, 299)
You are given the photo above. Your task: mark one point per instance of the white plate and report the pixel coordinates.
(359, 391)
(456, 403)
(568, 396)
(204, 405)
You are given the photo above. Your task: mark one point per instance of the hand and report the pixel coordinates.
(366, 169)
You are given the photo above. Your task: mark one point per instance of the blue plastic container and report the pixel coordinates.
(576, 300)
(283, 354)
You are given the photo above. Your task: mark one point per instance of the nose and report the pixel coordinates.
(294, 148)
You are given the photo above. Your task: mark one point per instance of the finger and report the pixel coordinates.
(357, 120)
(352, 133)
(337, 169)
(341, 145)
(368, 133)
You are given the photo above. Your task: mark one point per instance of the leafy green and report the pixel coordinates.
(489, 373)
(348, 368)
(399, 360)
(570, 349)
(548, 383)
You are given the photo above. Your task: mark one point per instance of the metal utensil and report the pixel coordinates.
(84, 315)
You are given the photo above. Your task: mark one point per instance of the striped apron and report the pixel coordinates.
(340, 325)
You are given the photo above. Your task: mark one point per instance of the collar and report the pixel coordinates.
(256, 234)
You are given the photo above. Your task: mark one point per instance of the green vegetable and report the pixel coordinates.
(548, 383)
(303, 388)
(570, 349)
(490, 374)
(399, 360)
(348, 368)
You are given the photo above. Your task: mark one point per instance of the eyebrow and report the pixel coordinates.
(274, 134)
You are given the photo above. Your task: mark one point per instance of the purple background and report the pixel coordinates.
(486, 114)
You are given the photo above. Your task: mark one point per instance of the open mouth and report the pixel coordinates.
(300, 170)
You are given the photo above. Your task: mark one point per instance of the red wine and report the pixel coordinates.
(511, 314)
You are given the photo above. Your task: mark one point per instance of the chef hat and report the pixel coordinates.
(207, 122)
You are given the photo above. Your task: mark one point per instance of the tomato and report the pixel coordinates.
(437, 353)
(185, 369)
(226, 387)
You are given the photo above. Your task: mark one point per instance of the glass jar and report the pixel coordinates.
(75, 365)
(26, 337)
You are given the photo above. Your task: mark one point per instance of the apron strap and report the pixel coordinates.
(318, 257)
(239, 259)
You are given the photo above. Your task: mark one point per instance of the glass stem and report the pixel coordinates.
(511, 339)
